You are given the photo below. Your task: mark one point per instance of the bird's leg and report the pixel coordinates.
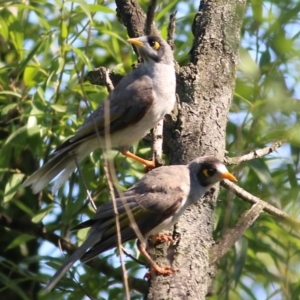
(163, 237)
(148, 163)
(159, 270)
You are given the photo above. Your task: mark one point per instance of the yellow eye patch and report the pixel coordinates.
(206, 172)
(155, 45)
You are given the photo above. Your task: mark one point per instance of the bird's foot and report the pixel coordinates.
(164, 237)
(164, 271)
(149, 164)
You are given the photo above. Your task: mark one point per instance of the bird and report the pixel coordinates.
(136, 104)
(155, 202)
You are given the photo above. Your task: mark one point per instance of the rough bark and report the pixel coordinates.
(205, 88)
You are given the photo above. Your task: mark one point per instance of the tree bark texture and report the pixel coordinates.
(205, 88)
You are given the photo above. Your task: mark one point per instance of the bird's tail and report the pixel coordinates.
(64, 161)
(88, 243)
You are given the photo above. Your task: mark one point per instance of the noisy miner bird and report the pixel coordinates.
(136, 105)
(155, 202)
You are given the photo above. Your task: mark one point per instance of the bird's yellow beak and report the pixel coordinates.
(228, 176)
(135, 42)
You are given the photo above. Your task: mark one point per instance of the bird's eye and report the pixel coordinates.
(208, 172)
(155, 45)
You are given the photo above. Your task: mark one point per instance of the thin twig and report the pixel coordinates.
(241, 193)
(133, 258)
(84, 183)
(108, 82)
(254, 154)
(109, 170)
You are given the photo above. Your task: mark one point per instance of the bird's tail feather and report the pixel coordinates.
(88, 243)
(63, 161)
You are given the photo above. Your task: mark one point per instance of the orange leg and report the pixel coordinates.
(163, 237)
(159, 270)
(148, 163)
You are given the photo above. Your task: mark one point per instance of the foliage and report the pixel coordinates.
(46, 48)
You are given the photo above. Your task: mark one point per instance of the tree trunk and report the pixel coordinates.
(205, 88)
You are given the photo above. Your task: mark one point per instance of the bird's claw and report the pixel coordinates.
(164, 271)
(164, 237)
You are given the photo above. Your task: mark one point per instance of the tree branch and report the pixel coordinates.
(171, 30)
(244, 195)
(232, 235)
(39, 231)
(101, 76)
(253, 154)
(131, 15)
(246, 220)
(150, 17)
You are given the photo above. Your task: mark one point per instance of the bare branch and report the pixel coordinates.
(133, 258)
(150, 17)
(110, 174)
(254, 154)
(131, 15)
(241, 193)
(234, 234)
(245, 221)
(157, 142)
(39, 231)
(101, 76)
(171, 29)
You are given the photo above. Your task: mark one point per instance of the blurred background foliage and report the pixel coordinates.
(46, 50)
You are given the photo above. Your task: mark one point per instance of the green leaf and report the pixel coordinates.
(21, 239)
(165, 10)
(13, 285)
(84, 6)
(241, 247)
(30, 55)
(257, 8)
(247, 65)
(100, 8)
(7, 108)
(30, 73)
(265, 58)
(59, 108)
(42, 213)
(12, 186)
(64, 29)
(16, 34)
(14, 94)
(292, 177)
(21, 133)
(4, 28)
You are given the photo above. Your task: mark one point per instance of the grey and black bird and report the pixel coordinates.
(138, 102)
(155, 203)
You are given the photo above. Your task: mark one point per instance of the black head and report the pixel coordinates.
(209, 170)
(153, 48)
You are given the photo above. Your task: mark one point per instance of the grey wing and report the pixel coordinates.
(128, 103)
(148, 210)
